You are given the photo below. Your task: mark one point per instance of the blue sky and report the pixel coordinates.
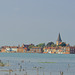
(36, 21)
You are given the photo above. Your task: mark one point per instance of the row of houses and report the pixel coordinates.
(22, 49)
(57, 50)
(25, 49)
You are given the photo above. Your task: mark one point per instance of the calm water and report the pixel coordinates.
(30, 64)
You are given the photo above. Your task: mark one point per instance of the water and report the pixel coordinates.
(34, 64)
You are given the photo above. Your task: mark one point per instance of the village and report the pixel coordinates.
(58, 48)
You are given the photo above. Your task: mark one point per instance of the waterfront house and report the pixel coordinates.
(27, 46)
(36, 50)
(72, 50)
(21, 49)
(3, 50)
(57, 50)
(9, 49)
(50, 49)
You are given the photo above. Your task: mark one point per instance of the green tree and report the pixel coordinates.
(41, 45)
(74, 46)
(49, 44)
(53, 45)
(31, 46)
(63, 44)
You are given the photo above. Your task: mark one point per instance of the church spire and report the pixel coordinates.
(59, 39)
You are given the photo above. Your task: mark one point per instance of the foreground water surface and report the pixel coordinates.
(37, 64)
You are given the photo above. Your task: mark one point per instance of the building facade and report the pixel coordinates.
(57, 50)
(72, 50)
(36, 50)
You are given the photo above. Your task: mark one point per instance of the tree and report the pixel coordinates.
(74, 46)
(30, 46)
(41, 45)
(63, 44)
(49, 44)
(53, 45)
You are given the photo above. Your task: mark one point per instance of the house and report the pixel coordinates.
(21, 49)
(3, 50)
(36, 50)
(27, 46)
(9, 49)
(72, 50)
(51, 50)
(57, 50)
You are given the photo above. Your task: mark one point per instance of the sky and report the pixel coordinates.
(36, 21)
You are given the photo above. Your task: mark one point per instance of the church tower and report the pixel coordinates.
(58, 40)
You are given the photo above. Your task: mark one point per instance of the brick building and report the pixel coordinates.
(72, 50)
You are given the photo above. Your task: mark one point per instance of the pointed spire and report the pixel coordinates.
(59, 38)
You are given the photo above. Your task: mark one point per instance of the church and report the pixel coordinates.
(58, 40)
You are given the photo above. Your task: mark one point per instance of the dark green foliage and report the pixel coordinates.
(41, 45)
(2, 64)
(49, 44)
(31, 46)
(63, 44)
(53, 45)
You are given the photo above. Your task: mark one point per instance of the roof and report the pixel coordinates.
(9, 46)
(52, 47)
(36, 47)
